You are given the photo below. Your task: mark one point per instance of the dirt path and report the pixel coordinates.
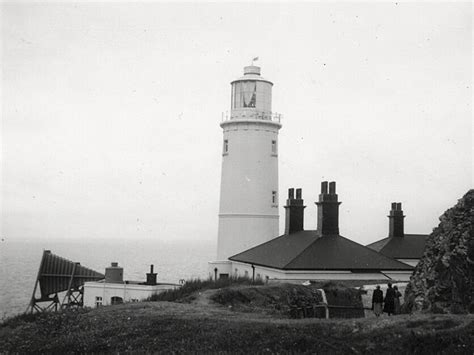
(203, 298)
(204, 306)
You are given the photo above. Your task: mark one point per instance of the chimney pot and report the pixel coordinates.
(399, 206)
(298, 194)
(291, 194)
(324, 187)
(394, 206)
(332, 187)
(114, 264)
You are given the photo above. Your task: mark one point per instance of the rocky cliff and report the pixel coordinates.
(443, 281)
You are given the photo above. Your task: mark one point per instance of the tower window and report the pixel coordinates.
(274, 147)
(274, 198)
(225, 149)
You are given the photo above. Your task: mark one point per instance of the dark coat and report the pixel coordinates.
(377, 296)
(389, 300)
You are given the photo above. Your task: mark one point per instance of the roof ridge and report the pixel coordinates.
(309, 244)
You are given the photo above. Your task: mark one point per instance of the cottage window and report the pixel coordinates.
(98, 301)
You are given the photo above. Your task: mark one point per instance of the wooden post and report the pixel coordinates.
(33, 299)
(325, 301)
(68, 293)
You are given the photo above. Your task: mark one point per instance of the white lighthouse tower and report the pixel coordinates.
(248, 213)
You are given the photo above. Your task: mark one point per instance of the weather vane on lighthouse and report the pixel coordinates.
(254, 59)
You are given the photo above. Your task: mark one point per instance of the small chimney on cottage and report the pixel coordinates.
(396, 217)
(294, 214)
(151, 277)
(114, 273)
(328, 210)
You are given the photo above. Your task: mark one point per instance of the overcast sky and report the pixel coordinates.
(111, 112)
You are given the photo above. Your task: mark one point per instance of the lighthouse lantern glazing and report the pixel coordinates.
(248, 211)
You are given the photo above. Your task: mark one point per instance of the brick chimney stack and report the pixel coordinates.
(396, 217)
(294, 214)
(151, 277)
(328, 210)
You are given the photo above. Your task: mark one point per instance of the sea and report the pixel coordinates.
(172, 260)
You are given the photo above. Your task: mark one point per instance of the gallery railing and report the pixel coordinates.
(251, 114)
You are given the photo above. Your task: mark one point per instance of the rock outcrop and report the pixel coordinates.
(443, 281)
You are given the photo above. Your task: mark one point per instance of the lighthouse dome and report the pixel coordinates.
(252, 72)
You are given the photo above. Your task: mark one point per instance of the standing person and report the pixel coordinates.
(389, 301)
(396, 296)
(377, 300)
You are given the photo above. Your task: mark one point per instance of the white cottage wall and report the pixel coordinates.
(126, 291)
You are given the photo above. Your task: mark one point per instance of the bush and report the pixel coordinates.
(186, 291)
(276, 299)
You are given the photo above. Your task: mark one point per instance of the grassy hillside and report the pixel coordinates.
(174, 327)
(201, 325)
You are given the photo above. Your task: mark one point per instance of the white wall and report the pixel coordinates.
(239, 269)
(223, 267)
(128, 292)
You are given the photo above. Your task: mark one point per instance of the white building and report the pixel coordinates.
(114, 290)
(248, 242)
(248, 212)
(321, 254)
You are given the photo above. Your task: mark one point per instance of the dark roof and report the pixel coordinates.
(410, 246)
(306, 250)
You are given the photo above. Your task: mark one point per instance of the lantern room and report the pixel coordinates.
(251, 94)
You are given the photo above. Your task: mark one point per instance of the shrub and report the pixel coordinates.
(185, 292)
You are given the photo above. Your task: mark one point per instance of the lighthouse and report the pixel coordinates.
(248, 210)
